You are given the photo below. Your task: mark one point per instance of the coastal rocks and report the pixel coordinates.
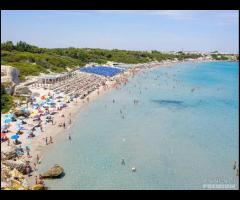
(13, 185)
(19, 113)
(55, 172)
(8, 154)
(18, 165)
(39, 187)
(16, 174)
(5, 173)
(22, 91)
(9, 87)
(9, 74)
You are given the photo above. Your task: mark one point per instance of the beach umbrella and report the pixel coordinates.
(14, 137)
(7, 121)
(36, 116)
(21, 117)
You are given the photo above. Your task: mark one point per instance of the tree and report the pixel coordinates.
(8, 46)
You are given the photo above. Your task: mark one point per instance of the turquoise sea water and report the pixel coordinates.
(177, 137)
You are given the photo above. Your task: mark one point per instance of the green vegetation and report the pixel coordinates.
(6, 100)
(32, 60)
(219, 57)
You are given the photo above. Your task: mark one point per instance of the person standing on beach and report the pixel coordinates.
(35, 166)
(46, 140)
(51, 141)
(69, 137)
(41, 127)
(64, 125)
(28, 151)
(28, 170)
(38, 159)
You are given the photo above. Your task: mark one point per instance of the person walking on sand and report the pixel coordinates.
(41, 128)
(69, 137)
(46, 140)
(64, 125)
(36, 180)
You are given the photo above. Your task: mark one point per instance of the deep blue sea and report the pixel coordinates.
(182, 133)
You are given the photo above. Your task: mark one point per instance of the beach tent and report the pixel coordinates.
(14, 137)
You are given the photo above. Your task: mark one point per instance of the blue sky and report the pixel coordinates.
(163, 30)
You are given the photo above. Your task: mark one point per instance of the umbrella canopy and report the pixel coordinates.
(7, 121)
(36, 116)
(14, 137)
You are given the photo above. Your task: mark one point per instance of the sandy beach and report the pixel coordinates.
(38, 146)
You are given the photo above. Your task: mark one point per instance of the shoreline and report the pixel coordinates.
(37, 144)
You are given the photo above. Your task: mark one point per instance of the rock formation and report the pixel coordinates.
(54, 172)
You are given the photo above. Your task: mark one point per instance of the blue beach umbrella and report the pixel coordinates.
(7, 121)
(14, 137)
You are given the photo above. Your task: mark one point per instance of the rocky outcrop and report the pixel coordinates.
(22, 91)
(39, 187)
(9, 74)
(8, 153)
(54, 172)
(19, 113)
(19, 165)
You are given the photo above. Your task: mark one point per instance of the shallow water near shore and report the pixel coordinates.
(182, 133)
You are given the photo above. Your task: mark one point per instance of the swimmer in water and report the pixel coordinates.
(235, 165)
